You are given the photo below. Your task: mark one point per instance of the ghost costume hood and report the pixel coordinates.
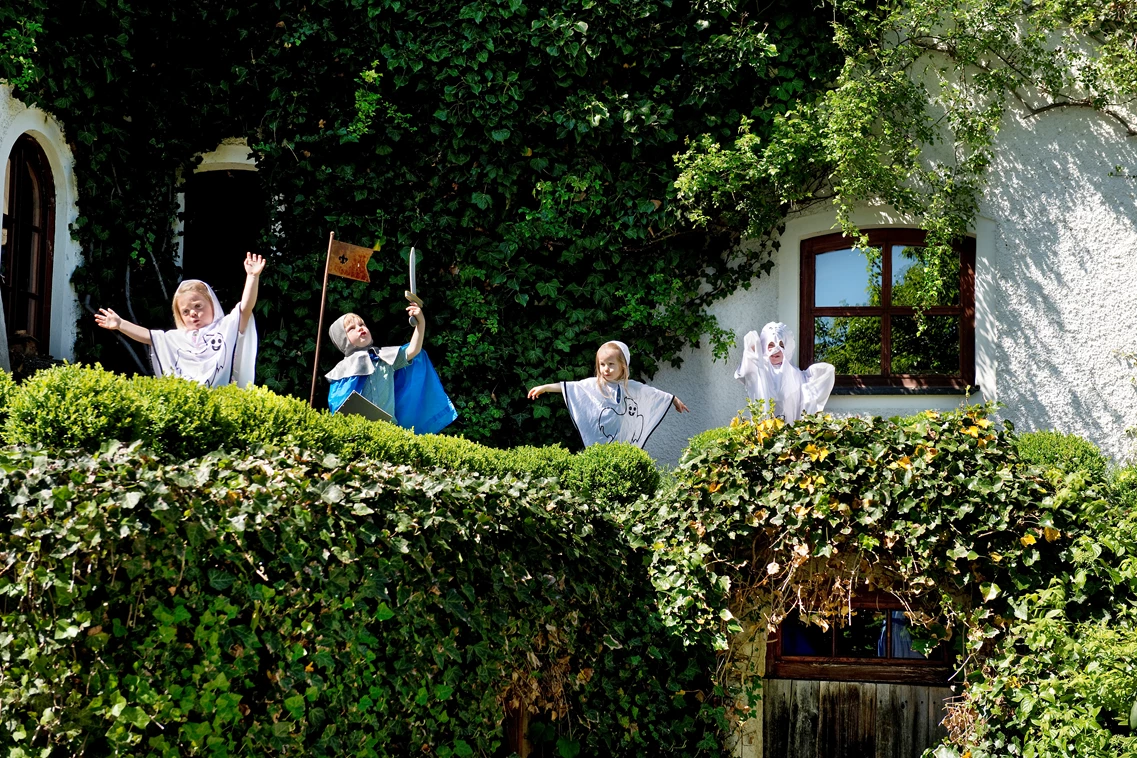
(792, 390)
(357, 360)
(214, 355)
(615, 411)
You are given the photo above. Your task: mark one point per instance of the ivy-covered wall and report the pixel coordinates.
(525, 150)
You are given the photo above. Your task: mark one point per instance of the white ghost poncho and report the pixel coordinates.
(792, 390)
(608, 412)
(213, 355)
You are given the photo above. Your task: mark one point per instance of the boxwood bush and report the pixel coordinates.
(1065, 452)
(77, 407)
(285, 604)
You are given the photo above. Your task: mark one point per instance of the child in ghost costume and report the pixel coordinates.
(209, 346)
(611, 407)
(768, 373)
(400, 380)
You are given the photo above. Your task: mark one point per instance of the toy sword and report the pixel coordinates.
(412, 293)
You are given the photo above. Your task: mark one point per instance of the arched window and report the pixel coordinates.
(26, 252)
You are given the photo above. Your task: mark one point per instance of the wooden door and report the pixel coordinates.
(819, 719)
(27, 251)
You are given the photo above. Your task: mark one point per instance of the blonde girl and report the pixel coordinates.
(611, 407)
(209, 346)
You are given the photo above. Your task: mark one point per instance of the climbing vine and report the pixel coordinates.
(912, 117)
(526, 151)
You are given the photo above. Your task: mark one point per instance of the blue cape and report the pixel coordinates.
(420, 401)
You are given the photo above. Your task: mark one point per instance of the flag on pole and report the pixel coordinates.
(348, 261)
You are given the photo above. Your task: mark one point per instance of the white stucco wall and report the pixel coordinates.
(17, 119)
(1056, 293)
(1063, 275)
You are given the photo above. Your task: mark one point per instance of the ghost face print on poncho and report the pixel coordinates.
(768, 373)
(214, 353)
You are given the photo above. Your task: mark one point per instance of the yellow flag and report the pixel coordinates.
(348, 261)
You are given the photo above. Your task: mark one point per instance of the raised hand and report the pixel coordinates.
(254, 264)
(108, 319)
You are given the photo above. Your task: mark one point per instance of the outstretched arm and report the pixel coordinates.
(108, 319)
(254, 265)
(420, 331)
(679, 405)
(543, 388)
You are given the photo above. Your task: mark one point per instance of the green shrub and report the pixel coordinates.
(612, 474)
(7, 388)
(179, 418)
(78, 407)
(1065, 452)
(286, 605)
(71, 406)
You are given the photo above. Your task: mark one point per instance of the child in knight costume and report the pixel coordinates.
(400, 380)
(209, 346)
(769, 374)
(611, 407)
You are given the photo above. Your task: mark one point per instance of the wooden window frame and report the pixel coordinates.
(843, 669)
(885, 239)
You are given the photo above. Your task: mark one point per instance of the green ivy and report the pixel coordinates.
(911, 119)
(277, 603)
(525, 150)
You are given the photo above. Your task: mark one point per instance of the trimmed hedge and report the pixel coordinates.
(1066, 452)
(77, 407)
(283, 605)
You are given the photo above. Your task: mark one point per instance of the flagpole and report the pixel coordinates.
(320, 322)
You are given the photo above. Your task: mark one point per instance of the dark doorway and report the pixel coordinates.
(26, 253)
(225, 216)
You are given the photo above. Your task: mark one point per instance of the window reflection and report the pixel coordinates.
(847, 278)
(860, 636)
(865, 633)
(935, 351)
(908, 275)
(850, 343)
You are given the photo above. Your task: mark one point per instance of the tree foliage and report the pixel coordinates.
(525, 150)
(912, 117)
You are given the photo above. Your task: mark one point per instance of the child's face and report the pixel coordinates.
(776, 352)
(357, 333)
(610, 362)
(196, 310)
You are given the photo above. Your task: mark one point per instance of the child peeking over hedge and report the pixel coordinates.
(400, 380)
(209, 346)
(610, 407)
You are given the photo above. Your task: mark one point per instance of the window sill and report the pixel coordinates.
(953, 391)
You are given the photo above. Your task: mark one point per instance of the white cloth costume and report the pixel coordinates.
(615, 411)
(792, 390)
(213, 355)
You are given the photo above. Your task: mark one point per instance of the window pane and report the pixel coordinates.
(846, 277)
(914, 641)
(935, 351)
(908, 278)
(864, 637)
(807, 640)
(850, 343)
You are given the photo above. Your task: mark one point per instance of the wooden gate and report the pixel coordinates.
(812, 719)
